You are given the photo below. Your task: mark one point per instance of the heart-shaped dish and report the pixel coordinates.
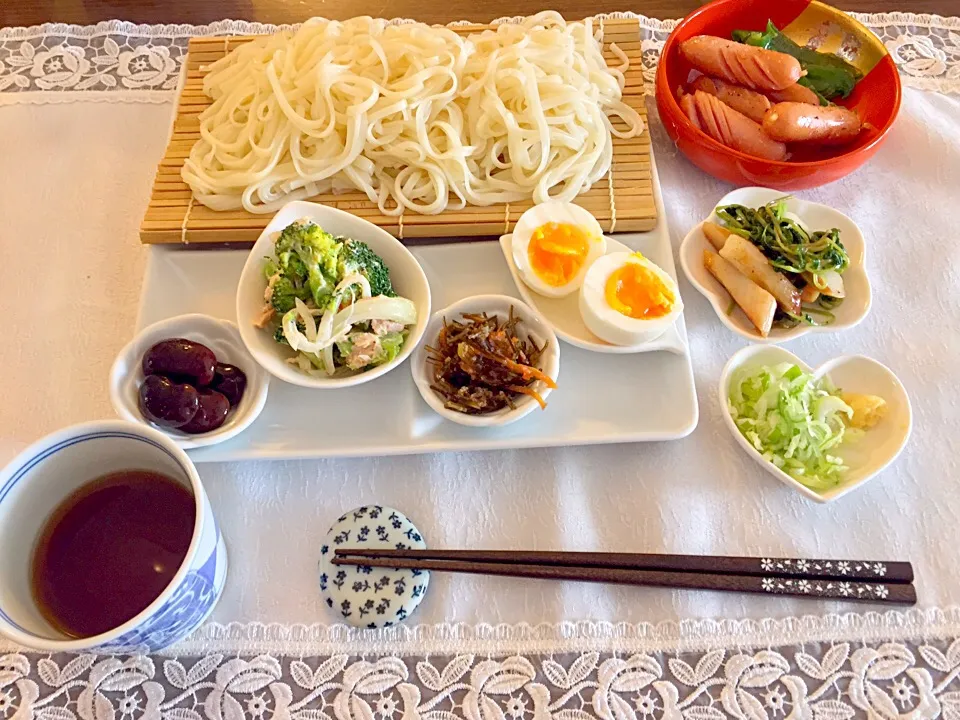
(851, 311)
(866, 456)
(563, 314)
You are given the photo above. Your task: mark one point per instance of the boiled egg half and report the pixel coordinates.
(553, 245)
(628, 300)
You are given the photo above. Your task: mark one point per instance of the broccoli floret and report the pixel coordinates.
(308, 256)
(284, 294)
(292, 266)
(270, 268)
(357, 257)
(311, 244)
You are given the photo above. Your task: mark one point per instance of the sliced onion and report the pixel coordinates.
(290, 331)
(307, 316)
(325, 329)
(328, 334)
(328, 360)
(381, 307)
(355, 279)
(335, 327)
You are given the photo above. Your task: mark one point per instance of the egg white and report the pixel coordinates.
(561, 213)
(612, 326)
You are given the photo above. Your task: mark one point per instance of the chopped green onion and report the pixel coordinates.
(793, 420)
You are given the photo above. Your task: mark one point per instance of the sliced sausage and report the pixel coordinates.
(733, 129)
(799, 122)
(688, 107)
(753, 67)
(794, 93)
(745, 101)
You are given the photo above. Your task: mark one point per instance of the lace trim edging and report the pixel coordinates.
(245, 26)
(121, 61)
(546, 638)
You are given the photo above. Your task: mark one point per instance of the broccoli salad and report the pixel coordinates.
(331, 301)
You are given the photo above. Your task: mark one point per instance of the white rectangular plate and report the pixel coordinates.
(602, 398)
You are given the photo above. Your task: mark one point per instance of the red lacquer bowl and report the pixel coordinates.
(876, 97)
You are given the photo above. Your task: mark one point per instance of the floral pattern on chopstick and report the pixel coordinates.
(816, 681)
(855, 569)
(144, 62)
(825, 588)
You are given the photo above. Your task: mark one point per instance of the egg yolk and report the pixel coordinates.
(558, 251)
(636, 291)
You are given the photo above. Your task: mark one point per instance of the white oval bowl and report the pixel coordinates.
(867, 456)
(563, 314)
(850, 312)
(406, 275)
(532, 324)
(221, 336)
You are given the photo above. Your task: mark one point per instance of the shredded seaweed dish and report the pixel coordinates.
(481, 364)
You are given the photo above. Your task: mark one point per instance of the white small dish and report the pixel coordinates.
(850, 312)
(532, 325)
(406, 275)
(563, 314)
(866, 456)
(221, 336)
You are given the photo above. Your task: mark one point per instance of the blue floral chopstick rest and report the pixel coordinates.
(369, 597)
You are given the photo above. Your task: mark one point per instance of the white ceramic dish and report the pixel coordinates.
(532, 327)
(221, 336)
(563, 314)
(867, 456)
(851, 311)
(405, 273)
(603, 398)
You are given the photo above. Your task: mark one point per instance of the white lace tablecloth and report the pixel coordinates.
(84, 116)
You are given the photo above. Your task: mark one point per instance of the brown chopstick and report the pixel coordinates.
(840, 570)
(874, 592)
(853, 590)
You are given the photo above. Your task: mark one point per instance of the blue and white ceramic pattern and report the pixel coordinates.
(371, 597)
(41, 477)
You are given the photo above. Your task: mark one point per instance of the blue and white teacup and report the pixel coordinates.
(48, 472)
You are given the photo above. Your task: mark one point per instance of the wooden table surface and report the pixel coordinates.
(32, 12)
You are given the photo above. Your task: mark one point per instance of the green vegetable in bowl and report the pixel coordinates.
(828, 75)
(285, 293)
(369, 349)
(794, 420)
(789, 246)
(307, 255)
(357, 257)
(816, 259)
(330, 300)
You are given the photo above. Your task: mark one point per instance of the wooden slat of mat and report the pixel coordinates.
(170, 201)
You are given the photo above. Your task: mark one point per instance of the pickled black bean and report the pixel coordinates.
(167, 403)
(181, 359)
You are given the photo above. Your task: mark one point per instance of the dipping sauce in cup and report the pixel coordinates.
(110, 549)
(107, 542)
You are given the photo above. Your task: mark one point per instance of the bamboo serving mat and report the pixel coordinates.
(172, 218)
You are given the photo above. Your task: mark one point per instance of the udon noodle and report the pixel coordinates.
(418, 118)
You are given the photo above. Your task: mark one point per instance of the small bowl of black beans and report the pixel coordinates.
(191, 377)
